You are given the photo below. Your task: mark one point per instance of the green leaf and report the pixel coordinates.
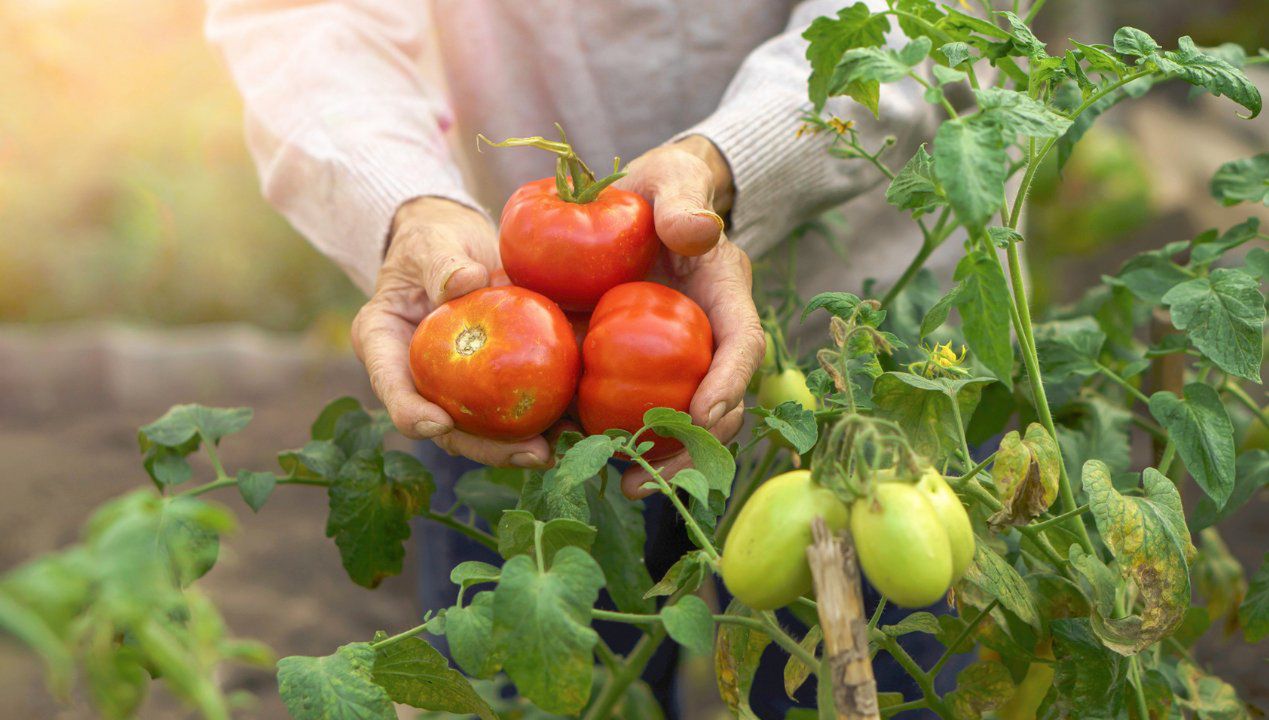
(937, 314)
(1089, 678)
(1257, 264)
(416, 674)
(877, 64)
(1211, 73)
(1023, 38)
(984, 310)
(1204, 436)
(489, 491)
(687, 573)
(317, 459)
(736, 655)
(1209, 696)
(913, 187)
(1148, 538)
(955, 52)
(923, 408)
(693, 483)
(1134, 42)
(794, 423)
(470, 631)
(1101, 431)
(359, 430)
(323, 427)
(1069, 348)
(335, 687)
(969, 160)
(1002, 237)
(947, 76)
(922, 622)
(1026, 476)
(473, 572)
(255, 487)
(584, 460)
(796, 672)
(516, 535)
(25, 623)
(184, 422)
(542, 627)
(981, 687)
(829, 38)
(838, 304)
(1224, 315)
(547, 499)
(1099, 59)
(709, 456)
(1244, 180)
(1251, 472)
(371, 503)
(1018, 113)
(990, 577)
(619, 547)
(690, 624)
(1207, 247)
(1253, 614)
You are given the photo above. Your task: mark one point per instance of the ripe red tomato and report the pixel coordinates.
(502, 361)
(648, 346)
(575, 252)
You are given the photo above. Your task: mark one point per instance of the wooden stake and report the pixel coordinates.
(835, 570)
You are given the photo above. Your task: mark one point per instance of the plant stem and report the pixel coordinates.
(1169, 452)
(1123, 383)
(1035, 10)
(229, 482)
(922, 678)
(876, 614)
(1233, 388)
(960, 637)
(784, 640)
(210, 448)
(903, 707)
(606, 655)
(765, 622)
(1065, 494)
(1036, 527)
(693, 528)
(398, 637)
(626, 673)
(1138, 689)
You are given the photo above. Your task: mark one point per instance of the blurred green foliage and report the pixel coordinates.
(125, 188)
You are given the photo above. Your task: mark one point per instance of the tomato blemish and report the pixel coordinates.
(470, 340)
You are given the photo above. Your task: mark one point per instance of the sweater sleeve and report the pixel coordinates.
(342, 127)
(782, 179)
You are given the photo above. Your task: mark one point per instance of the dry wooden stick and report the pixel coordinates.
(835, 570)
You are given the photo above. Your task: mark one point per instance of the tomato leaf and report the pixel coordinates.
(922, 622)
(914, 187)
(980, 687)
(709, 456)
(923, 408)
(473, 572)
(317, 459)
(323, 427)
(335, 687)
(517, 528)
(1207, 247)
(1244, 180)
(542, 628)
(1205, 70)
(1134, 42)
(1209, 696)
(829, 38)
(794, 422)
(547, 499)
(1069, 348)
(796, 672)
(416, 674)
(1089, 678)
(1150, 275)
(371, 503)
(255, 487)
(1204, 436)
(1253, 614)
(1026, 474)
(1023, 38)
(584, 460)
(1151, 545)
(691, 481)
(938, 312)
(184, 422)
(984, 307)
(969, 161)
(1251, 472)
(690, 624)
(877, 64)
(1224, 315)
(988, 577)
(687, 573)
(1018, 113)
(470, 633)
(489, 491)
(1101, 432)
(619, 548)
(737, 651)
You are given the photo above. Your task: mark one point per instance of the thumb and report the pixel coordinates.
(449, 271)
(681, 211)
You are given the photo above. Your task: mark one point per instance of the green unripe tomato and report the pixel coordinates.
(783, 387)
(1257, 435)
(764, 562)
(903, 548)
(951, 513)
(1026, 699)
(767, 367)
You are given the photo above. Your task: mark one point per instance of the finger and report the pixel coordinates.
(634, 479)
(680, 187)
(721, 284)
(381, 340)
(448, 271)
(531, 453)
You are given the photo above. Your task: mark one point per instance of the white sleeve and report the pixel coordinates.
(782, 179)
(340, 123)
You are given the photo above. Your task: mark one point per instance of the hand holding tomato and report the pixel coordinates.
(438, 250)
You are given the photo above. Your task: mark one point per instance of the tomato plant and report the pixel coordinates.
(647, 346)
(574, 237)
(502, 361)
(995, 452)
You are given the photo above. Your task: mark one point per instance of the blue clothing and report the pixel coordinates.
(440, 549)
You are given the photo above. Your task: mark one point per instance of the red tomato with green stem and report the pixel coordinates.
(573, 237)
(647, 346)
(502, 361)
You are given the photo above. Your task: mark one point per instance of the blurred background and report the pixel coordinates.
(139, 267)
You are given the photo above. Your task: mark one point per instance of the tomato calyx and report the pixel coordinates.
(574, 180)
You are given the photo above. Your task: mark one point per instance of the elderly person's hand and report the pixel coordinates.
(688, 184)
(438, 250)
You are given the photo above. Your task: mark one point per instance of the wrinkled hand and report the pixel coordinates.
(688, 183)
(438, 250)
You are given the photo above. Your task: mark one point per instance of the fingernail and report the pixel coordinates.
(712, 216)
(427, 428)
(715, 414)
(527, 459)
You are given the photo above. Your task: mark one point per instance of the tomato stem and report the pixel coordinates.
(574, 180)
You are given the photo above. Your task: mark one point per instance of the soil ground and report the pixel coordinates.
(71, 399)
